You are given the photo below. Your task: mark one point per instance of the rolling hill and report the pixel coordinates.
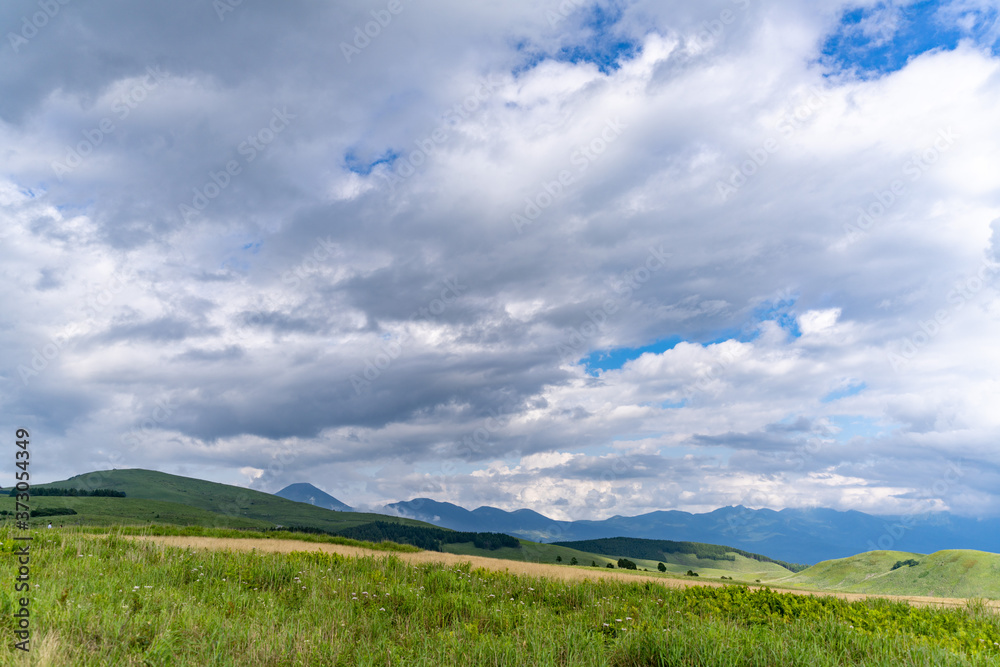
(793, 535)
(669, 551)
(192, 501)
(159, 498)
(958, 573)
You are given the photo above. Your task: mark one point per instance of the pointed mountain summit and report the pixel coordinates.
(307, 493)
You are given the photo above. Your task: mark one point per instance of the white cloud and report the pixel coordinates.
(253, 318)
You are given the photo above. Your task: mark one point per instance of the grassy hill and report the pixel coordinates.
(534, 552)
(109, 600)
(705, 559)
(188, 501)
(951, 573)
(159, 498)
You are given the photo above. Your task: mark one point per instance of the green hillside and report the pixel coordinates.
(534, 552)
(105, 600)
(738, 569)
(952, 573)
(189, 501)
(689, 555)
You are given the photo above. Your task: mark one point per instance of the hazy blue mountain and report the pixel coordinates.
(793, 535)
(307, 493)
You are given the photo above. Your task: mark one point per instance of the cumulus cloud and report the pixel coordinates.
(593, 259)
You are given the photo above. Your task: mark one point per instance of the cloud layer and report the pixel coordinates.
(587, 259)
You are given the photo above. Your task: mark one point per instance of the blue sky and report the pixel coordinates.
(351, 310)
(881, 38)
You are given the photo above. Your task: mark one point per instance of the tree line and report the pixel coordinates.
(44, 511)
(54, 491)
(634, 547)
(429, 539)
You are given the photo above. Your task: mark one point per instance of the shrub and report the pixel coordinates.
(909, 562)
(661, 567)
(53, 511)
(626, 564)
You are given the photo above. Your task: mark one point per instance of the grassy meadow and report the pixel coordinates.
(959, 573)
(154, 496)
(108, 600)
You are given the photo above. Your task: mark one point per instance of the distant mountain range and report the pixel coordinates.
(307, 493)
(793, 535)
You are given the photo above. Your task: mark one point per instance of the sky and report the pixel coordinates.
(590, 259)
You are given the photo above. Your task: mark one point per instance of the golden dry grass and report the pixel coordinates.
(559, 572)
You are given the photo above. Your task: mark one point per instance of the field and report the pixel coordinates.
(953, 573)
(102, 600)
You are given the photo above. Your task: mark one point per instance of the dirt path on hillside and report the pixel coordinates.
(561, 572)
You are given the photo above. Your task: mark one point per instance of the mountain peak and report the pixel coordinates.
(303, 492)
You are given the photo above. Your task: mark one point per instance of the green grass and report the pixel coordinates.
(138, 511)
(531, 552)
(952, 573)
(111, 601)
(234, 534)
(742, 569)
(225, 505)
(669, 551)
